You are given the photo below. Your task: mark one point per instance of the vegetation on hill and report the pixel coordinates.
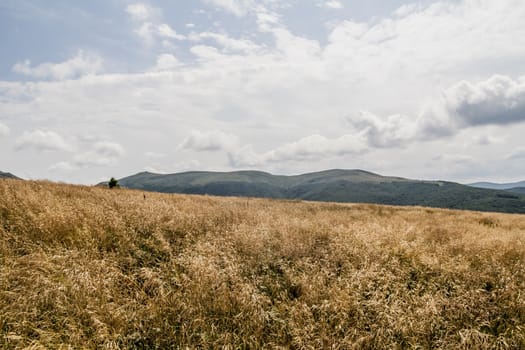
(519, 190)
(87, 267)
(355, 186)
(498, 186)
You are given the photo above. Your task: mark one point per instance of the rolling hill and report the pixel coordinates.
(520, 190)
(7, 176)
(498, 186)
(331, 186)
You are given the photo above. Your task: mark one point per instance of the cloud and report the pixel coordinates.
(487, 140)
(392, 131)
(397, 67)
(188, 165)
(142, 12)
(77, 66)
(458, 159)
(150, 26)
(517, 154)
(154, 170)
(149, 32)
(332, 4)
(206, 53)
(103, 153)
(41, 140)
(155, 155)
(497, 100)
(315, 147)
(227, 42)
(165, 31)
(167, 62)
(309, 148)
(4, 130)
(209, 141)
(62, 167)
(237, 7)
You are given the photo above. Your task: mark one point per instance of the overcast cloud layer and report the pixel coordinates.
(428, 89)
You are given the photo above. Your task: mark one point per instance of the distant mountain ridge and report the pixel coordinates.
(4, 175)
(335, 185)
(520, 190)
(498, 186)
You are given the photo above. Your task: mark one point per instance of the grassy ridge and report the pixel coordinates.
(93, 268)
(346, 186)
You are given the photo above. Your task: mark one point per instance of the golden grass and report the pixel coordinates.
(85, 267)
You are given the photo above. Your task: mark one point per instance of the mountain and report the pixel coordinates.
(520, 190)
(331, 185)
(7, 176)
(498, 186)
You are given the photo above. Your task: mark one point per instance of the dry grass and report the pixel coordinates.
(84, 267)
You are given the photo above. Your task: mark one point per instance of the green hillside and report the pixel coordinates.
(334, 186)
(519, 190)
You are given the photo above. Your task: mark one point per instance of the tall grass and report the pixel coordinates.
(85, 267)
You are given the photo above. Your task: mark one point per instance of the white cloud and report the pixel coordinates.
(460, 159)
(150, 26)
(392, 131)
(141, 12)
(167, 62)
(151, 169)
(487, 140)
(276, 86)
(517, 154)
(79, 65)
(4, 130)
(497, 100)
(109, 149)
(407, 9)
(332, 4)
(165, 31)
(227, 42)
(206, 53)
(41, 140)
(102, 154)
(209, 141)
(188, 165)
(313, 147)
(62, 167)
(155, 155)
(237, 7)
(149, 32)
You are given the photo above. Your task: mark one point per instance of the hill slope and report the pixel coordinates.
(90, 268)
(498, 186)
(331, 185)
(7, 176)
(520, 190)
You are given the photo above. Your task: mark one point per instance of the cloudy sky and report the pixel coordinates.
(421, 89)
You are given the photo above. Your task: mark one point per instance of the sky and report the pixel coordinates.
(107, 88)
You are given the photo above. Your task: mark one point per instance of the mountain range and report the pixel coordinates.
(332, 185)
(7, 176)
(518, 187)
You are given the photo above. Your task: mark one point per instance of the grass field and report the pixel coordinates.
(86, 267)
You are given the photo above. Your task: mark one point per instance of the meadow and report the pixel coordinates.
(89, 267)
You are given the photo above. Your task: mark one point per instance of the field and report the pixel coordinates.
(88, 267)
